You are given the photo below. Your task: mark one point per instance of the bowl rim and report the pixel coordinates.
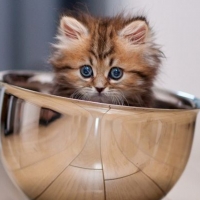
(182, 96)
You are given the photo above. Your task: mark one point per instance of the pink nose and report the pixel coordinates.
(99, 89)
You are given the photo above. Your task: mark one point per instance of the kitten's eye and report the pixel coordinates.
(116, 73)
(86, 71)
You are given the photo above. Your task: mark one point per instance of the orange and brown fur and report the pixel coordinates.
(108, 46)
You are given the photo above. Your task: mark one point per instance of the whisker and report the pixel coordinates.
(123, 98)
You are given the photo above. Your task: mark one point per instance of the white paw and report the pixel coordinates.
(42, 78)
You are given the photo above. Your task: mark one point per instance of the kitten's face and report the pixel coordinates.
(106, 60)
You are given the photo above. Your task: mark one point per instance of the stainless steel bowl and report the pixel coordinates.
(60, 148)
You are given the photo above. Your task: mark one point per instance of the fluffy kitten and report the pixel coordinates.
(110, 60)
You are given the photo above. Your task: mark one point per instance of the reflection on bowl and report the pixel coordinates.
(59, 148)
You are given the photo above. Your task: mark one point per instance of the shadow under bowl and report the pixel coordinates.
(60, 148)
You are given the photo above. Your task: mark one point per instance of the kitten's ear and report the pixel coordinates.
(136, 32)
(72, 28)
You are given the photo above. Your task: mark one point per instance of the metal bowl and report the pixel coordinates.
(61, 148)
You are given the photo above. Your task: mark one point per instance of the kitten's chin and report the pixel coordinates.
(100, 99)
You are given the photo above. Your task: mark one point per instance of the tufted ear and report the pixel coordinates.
(135, 32)
(72, 28)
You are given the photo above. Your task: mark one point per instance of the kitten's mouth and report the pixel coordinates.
(108, 98)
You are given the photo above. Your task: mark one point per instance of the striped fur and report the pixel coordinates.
(104, 43)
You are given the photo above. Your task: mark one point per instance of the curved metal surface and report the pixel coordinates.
(59, 148)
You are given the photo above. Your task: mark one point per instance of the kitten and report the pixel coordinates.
(108, 60)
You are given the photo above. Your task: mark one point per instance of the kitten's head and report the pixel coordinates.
(110, 60)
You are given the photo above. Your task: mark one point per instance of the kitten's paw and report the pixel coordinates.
(42, 82)
(42, 78)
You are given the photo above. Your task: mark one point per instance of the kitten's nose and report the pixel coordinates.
(99, 89)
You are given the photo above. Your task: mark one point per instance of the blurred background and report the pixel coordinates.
(28, 27)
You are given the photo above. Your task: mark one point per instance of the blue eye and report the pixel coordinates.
(116, 73)
(86, 71)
